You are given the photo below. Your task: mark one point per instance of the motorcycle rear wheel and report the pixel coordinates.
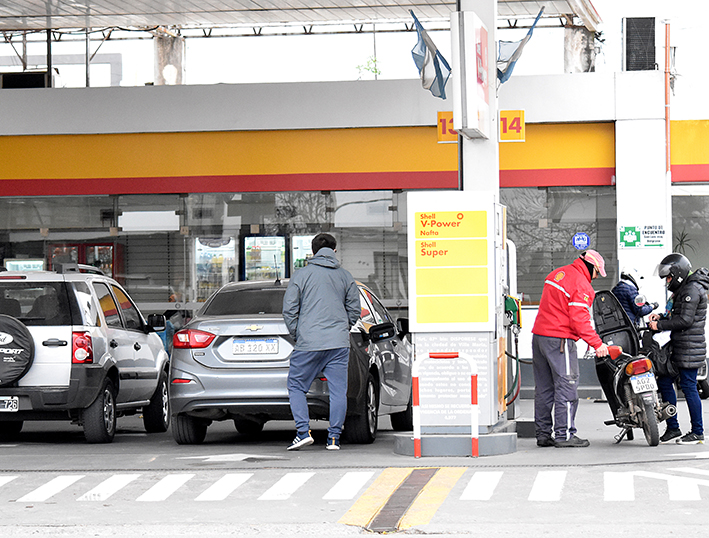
(650, 427)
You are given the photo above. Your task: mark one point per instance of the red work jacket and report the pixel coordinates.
(565, 308)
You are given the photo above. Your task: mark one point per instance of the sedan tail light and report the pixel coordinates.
(82, 348)
(192, 339)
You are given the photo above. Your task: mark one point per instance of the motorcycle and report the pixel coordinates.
(626, 376)
(702, 377)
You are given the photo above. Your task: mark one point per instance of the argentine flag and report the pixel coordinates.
(508, 52)
(432, 66)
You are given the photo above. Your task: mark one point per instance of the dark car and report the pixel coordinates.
(230, 362)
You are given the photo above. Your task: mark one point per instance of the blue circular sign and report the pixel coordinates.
(581, 241)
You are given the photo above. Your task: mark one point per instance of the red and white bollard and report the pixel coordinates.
(473, 400)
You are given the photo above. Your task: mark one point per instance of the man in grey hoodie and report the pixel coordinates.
(320, 306)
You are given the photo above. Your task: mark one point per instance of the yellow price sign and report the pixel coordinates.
(512, 126)
(445, 127)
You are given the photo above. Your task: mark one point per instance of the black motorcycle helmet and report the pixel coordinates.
(677, 267)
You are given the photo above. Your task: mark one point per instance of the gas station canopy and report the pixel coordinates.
(36, 15)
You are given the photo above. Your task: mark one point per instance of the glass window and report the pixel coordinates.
(108, 305)
(379, 309)
(690, 228)
(35, 303)
(130, 312)
(89, 311)
(367, 314)
(542, 222)
(230, 302)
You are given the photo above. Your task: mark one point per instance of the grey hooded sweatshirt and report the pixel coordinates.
(321, 304)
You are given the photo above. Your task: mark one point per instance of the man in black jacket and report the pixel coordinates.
(687, 312)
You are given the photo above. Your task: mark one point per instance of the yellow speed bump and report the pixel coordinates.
(376, 496)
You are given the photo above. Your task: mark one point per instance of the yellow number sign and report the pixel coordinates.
(512, 126)
(445, 128)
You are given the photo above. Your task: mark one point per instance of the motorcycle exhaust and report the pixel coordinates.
(667, 411)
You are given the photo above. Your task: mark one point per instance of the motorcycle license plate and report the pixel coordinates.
(643, 382)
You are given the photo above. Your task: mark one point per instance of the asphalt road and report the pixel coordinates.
(54, 484)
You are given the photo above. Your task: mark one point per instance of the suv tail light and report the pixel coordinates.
(192, 339)
(82, 348)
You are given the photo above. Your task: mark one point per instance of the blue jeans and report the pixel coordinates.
(304, 366)
(688, 384)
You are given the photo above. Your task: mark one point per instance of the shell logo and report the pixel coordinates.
(558, 277)
(5, 339)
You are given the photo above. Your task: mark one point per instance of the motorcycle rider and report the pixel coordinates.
(626, 290)
(564, 316)
(685, 318)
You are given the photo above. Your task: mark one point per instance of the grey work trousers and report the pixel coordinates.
(556, 379)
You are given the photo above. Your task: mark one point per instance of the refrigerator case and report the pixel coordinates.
(301, 251)
(264, 257)
(215, 265)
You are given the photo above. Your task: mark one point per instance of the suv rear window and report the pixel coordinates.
(246, 302)
(35, 303)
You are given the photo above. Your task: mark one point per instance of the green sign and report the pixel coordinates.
(629, 236)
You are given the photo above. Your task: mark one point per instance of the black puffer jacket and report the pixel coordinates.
(687, 319)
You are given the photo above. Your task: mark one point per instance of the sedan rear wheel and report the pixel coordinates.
(362, 427)
(189, 430)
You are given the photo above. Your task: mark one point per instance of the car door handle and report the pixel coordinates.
(55, 342)
(113, 344)
(136, 346)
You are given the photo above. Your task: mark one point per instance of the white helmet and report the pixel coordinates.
(631, 274)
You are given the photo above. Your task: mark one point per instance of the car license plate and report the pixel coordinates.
(255, 346)
(9, 404)
(643, 382)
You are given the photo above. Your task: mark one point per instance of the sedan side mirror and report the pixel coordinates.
(383, 331)
(157, 322)
(402, 325)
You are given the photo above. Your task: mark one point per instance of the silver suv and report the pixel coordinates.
(73, 346)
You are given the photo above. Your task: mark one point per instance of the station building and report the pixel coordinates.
(176, 190)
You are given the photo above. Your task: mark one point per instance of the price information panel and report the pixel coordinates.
(451, 258)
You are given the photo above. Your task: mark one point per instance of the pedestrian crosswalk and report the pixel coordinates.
(330, 485)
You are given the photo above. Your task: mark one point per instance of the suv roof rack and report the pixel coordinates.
(77, 268)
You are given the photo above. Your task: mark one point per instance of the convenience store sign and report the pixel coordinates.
(450, 276)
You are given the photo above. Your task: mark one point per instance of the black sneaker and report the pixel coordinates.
(300, 441)
(333, 443)
(670, 433)
(691, 439)
(545, 441)
(572, 442)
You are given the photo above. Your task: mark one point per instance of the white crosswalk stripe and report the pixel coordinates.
(618, 486)
(108, 487)
(166, 487)
(348, 486)
(547, 486)
(6, 479)
(286, 486)
(50, 489)
(481, 486)
(226, 485)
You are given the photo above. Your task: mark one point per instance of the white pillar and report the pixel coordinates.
(480, 157)
(643, 190)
